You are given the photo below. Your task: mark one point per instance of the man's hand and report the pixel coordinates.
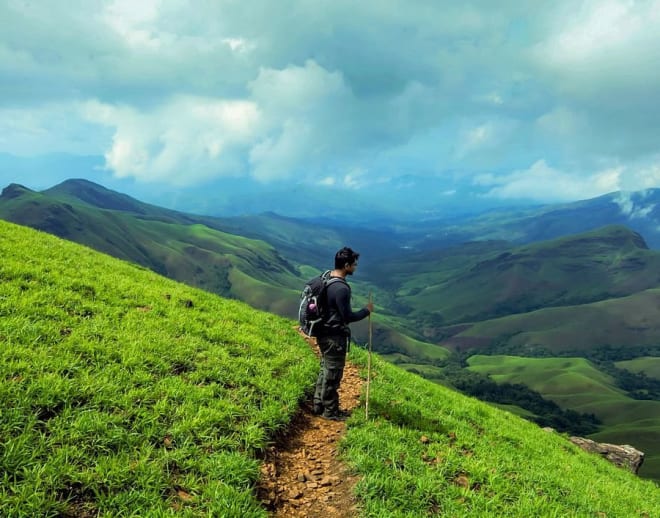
(370, 307)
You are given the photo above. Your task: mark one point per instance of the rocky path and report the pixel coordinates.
(301, 475)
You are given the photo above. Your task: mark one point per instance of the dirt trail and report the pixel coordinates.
(301, 475)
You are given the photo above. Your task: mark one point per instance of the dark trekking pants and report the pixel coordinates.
(333, 358)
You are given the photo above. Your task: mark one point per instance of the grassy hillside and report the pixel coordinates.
(170, 243)
(576, 384)
(125, 393)
(481, 281)
(627, 321)
(650, 366)
(428, 450)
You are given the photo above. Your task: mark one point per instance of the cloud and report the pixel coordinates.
(546, 95)
(484, 137)
(47, 129)
(632, 204)
(621, 34)
(184, 141)
(306, 109)
(599, 59)
(541, 182)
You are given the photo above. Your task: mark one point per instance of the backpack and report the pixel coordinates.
(313, 301)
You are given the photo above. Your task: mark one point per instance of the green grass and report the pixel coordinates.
(124, 393)
(428, 450)
(576, 384)
(127, 394)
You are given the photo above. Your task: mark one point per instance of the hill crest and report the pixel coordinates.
(14, 190)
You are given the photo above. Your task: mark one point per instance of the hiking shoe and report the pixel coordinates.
(317, 410)
(335, 416)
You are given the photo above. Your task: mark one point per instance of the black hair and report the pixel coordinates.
(345, 256)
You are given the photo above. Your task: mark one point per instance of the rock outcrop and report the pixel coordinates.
(624, 456)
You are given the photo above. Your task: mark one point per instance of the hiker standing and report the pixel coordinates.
(334, 336)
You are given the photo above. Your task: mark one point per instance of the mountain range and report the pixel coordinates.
(534, 282)
(428, 286)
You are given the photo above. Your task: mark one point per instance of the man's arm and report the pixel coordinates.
(343, 300)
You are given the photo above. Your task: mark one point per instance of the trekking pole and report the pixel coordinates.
(366, 407)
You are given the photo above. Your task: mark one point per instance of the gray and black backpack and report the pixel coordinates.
(313, 310)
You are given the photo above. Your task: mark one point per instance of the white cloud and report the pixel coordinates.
(632, 204)
(355, 178)
(282, 90)
(484, 137)
(307, 113)
(238, 44)
(47, 129)
(476, 138)
(641, 177)
(603, 47)
(543, 183)
(278, 156)
(185, 141)
(599, 28)
(626, 202)
(133, 21)
(328, 181)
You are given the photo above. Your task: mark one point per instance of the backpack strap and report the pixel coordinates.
(330, 280)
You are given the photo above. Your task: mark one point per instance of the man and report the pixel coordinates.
(334, 336)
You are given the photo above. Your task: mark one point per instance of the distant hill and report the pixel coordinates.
(420, 293)
(483, 280)
(174, 244)
(639, 211)
(262, 259)
(307, 241)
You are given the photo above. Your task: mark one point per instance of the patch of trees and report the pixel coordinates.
(637, 384)
(608, 353)
(547, 413)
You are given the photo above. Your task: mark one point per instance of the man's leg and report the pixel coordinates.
(333, 373)
(318, 392)
(333, 359)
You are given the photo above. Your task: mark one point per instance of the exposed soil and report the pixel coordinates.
(301, 475)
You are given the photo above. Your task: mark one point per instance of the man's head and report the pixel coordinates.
(347, 260)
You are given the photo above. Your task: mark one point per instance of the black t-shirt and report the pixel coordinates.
(340, 313)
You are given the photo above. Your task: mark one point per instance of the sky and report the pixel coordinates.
(503, 100)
